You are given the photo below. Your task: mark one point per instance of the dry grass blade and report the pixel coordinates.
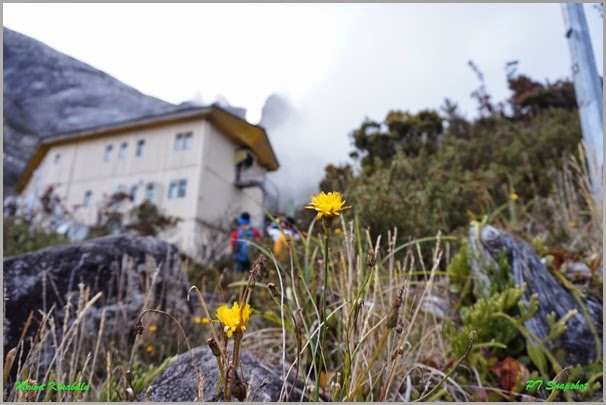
(99, 335)
(205, 308)
(60, 347)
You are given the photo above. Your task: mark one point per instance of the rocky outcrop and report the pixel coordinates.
(276, 111)
(179, 381)
(131, 272)
(47, 93)
(578, 340)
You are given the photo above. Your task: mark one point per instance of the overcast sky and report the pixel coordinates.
(337, 63)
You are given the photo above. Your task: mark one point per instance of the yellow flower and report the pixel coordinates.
(234, 318)
(514, 196)
(149, 348)
(328, 205)
(197, 319)
(153, 328)
(573, 224)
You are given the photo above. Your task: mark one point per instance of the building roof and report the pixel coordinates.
(233, 127)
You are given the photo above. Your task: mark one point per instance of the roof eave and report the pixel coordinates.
(246, 134)
(237, 129)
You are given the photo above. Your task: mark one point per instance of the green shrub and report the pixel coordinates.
(21, 237)
(464, 176)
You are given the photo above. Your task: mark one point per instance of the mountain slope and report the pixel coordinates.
(47, 93)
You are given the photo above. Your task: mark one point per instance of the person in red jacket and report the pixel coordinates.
(240, 243)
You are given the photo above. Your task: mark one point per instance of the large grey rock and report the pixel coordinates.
(130, 271)
(527, 268)
(179, 381)
(47, 93)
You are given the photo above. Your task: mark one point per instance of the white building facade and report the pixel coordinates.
(184, 162)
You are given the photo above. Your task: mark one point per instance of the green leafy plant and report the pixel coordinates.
(21, 236)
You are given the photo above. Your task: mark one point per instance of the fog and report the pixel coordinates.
(413, 61)
(305, 143)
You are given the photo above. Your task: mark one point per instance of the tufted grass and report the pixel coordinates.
(387, 301)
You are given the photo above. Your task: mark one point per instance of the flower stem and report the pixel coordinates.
(238, 334)
(322, 334)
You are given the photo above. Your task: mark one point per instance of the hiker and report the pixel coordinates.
(240, 243)
(279, 230)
